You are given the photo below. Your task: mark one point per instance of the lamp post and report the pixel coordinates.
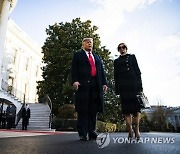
(6, 6)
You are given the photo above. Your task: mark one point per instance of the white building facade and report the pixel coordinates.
(20, 61)
(6, 6)
(173, 117)
(21, 64)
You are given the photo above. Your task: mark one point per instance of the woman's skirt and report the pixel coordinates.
(128, 92)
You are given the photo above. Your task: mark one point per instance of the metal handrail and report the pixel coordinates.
(12, 91)
(46, 100)
(49, 101)
(19, 95)
(50, 116)
(19, 115)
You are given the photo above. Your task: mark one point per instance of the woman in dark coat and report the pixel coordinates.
(128, 84)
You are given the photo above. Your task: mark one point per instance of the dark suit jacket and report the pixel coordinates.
(25, 116)
(81, 72)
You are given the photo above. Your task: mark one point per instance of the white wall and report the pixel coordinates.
(21, 60)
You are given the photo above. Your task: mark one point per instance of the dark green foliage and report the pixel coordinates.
(63, 40)
(144, 123)
(105, 127)
(67, 111)
(64, 124)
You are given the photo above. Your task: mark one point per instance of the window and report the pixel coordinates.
(14, 56)
(26, 63)
(10, 84)
(37, 71)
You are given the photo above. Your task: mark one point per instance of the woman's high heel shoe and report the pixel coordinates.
(130, 135)
(137, 136)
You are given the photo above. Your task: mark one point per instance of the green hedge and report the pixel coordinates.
(121, 127)
(71, 124)
(105, 127)
(144, 129)
(64, 124)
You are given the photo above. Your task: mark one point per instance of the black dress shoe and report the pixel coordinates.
(92, 136)
(83, 138)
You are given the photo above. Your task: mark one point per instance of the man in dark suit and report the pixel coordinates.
(10, 115)
(89, 82)
(26, 113)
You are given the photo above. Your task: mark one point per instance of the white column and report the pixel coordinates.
(5, 7)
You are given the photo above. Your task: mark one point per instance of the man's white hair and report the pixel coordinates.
(87, 39)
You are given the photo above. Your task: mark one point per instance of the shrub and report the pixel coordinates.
(105, 127)
(67, 111)
(121, 127)
(64, 124)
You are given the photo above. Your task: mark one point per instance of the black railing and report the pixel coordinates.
(46, 100)
(17, 94)
(12, 91)
(51, 115)
(19, 115)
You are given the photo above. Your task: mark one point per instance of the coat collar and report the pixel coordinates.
(95, 56)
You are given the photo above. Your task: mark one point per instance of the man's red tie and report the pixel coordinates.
(92, 63)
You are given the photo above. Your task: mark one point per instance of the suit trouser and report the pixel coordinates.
(25, 123)
(87, 120)
(10, 122)
(86, 123)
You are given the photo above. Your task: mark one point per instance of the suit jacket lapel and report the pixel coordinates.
(96, 59)
(85, 57)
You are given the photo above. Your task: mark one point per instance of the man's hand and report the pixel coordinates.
(105, 88)
(118, 96)
(76, 85)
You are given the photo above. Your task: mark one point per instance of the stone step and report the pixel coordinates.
(38, 128)
(39, 113)
(39, 119)
(36, 124)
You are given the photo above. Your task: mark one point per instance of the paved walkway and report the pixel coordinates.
(46, 142)
(4, 133)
